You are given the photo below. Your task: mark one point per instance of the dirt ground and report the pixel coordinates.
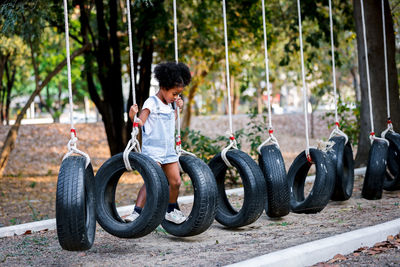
(217, 246)
(27, 193)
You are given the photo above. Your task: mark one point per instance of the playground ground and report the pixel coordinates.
(28, 188)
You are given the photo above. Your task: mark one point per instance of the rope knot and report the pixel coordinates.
(73, 133)
(337, 124)
(231, 138)
(372, 134)
(135, 124)
(309, 159)
(178, 140)
(271, 131)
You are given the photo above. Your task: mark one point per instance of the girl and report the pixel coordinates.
(157, 120)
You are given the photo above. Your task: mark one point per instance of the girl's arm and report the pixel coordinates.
(179, 104)
(144, 114)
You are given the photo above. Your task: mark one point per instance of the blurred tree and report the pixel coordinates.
(374, 29)
(27, 19)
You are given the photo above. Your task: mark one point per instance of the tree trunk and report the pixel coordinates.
(9, 142)
(356, 85)
(10, 84)
(372, 12)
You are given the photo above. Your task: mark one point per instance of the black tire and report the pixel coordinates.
(75, 204)
(392, 175)
(278, 196)
(342, 157)
(375, 173)
(254, 186)
(205, 199)
(322, 189)
(157, 194)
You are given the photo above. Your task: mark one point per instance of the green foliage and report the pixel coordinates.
(349, 119)
(205, 147)
(257, 131)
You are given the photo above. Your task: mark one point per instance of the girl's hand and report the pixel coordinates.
(179, 103)
(133, 111)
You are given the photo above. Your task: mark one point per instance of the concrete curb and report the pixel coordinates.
(325, 249)
(125, 210)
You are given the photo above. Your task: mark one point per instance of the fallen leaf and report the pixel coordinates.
(27, 232)
(339, 257)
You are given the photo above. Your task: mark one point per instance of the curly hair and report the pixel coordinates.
(171, 74)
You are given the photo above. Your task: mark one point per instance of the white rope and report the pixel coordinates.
(389, 122)
(304, 83)
(367, 67)
(271, 138)
(336, 131)
(385, 54)
(72, 149)
(178, 137)
(72, 142)
(133, 83)
(178, 142)
(71, 104)
(333, 62)
(266, 66)
(133, 143)
(232, 144)
(232, 139)
(175, 33)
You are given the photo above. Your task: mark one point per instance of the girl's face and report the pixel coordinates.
(171, 95)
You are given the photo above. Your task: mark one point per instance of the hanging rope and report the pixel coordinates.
(178, 143)
(336, 131)
(389, 121)
(72, 142)
(271, 138)
(304, 86)
(232, 139)
(133, 143)
(372, 134)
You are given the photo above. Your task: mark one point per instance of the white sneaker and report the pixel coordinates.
(132, 217)
(175, 216)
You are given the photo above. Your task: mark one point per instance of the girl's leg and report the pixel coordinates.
(141, 199)
(171, 170)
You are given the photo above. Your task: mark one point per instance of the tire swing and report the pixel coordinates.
(75, 197)
(252, 177)
(324, 182)
(392, 176)
(205, 189)
(270, 158)
(376, 166)
(342, 152)
(110, 172)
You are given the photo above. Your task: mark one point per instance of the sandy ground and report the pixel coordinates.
(216, 247)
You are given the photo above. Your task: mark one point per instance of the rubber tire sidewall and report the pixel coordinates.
(324, 182)
(273, 167)
(205, 199)
(393, 163)
(375, 173)
(75, 204)
(254, 189)
(157, 195)
(342, 157)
